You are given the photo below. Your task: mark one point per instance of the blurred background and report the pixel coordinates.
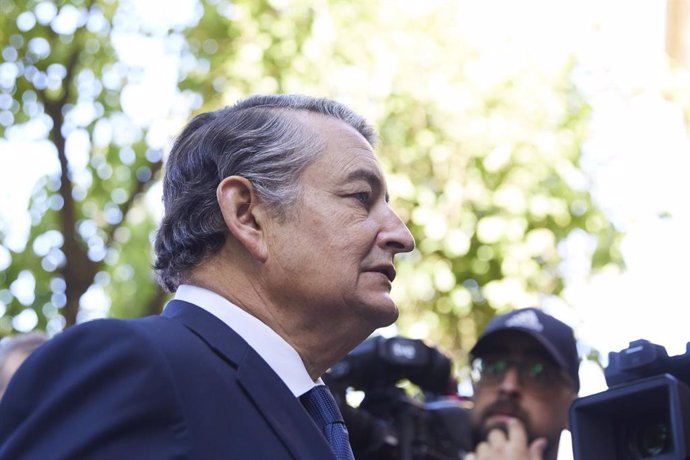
(538, 150)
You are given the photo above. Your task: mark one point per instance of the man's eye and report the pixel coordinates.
(536, 369)
(362, 197)
(497, 367)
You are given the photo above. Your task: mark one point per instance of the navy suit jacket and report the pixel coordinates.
(182, 385)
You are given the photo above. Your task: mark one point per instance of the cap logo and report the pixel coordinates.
(527, 320)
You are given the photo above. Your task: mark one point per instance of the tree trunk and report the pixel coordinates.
(78, 271)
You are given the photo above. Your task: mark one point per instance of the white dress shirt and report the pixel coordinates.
(279, 354)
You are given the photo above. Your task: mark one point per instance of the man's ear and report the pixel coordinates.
(239, 206)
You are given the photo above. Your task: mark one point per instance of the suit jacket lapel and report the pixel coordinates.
(271, 396)
(282, 410)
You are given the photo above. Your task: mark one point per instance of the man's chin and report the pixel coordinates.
(382, 313)
(494, 425)
(498, 422)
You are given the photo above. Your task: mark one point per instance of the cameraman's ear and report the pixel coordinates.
(243, 214)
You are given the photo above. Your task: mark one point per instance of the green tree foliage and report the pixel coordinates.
(481, 149)
(62, 77)
(66, 78)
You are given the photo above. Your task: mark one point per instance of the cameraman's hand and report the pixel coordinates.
(514, 446)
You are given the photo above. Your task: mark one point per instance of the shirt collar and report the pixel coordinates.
(278, 354)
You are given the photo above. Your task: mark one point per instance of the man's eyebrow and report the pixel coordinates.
(368, 176)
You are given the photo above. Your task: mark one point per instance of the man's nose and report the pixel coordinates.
(511, 381)
(395, 235)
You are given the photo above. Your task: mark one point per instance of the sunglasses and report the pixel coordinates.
(533, 372)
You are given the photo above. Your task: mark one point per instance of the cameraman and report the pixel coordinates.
(525, 371)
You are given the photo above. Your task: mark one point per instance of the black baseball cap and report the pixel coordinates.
(556, 337)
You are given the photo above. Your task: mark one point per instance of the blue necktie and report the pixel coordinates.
(321, 406)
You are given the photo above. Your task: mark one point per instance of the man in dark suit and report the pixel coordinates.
(278, 241)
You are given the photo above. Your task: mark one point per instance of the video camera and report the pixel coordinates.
(388, 424)
(645, 413)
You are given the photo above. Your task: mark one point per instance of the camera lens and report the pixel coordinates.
(649, 440)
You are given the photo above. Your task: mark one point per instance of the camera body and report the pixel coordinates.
(390, 425)
(645, 413)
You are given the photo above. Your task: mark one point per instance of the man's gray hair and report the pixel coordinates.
(260, 139)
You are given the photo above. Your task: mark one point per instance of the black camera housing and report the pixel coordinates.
(389, 425)
(380, 362)
(645, 413)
